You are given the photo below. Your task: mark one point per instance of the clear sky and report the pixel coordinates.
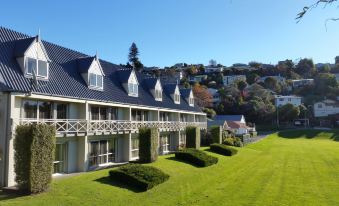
(172, 31)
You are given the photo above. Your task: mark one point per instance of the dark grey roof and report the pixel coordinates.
(170, 88)
(124, 74)
(150, 82)
(84, 64)
(228, 117)
(185, 92)
(21, 45)
(66, 80)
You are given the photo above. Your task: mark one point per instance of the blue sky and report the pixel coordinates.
(173, 31)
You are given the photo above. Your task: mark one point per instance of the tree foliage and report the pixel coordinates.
(133, 57)
(288, 112)
(202, 97)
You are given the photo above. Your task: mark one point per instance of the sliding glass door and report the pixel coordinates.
(102, 152)
(60, 158)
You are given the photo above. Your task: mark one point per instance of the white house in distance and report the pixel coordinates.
(213, 69)
(297, 83)
(281, 100)
(326, 108)
(96, 107)
(234, 123)
(198, 78)
(228, 80)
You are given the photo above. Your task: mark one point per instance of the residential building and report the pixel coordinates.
(281, 100)
(95, 106)
(171, 77)
(234, 123)
(213, 69)
(297, 83)
(197, 78)
(229, 80)
(215, 96)
(326, 108)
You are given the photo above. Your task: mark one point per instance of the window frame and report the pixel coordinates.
(36, 71)
(95, 77)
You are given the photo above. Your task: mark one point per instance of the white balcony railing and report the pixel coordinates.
(81, 126)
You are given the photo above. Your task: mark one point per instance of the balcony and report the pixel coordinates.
(82, 127)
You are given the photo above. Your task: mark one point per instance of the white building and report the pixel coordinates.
(281, 100)
(297, 83)
(95, 106)
(213, 69)
(228, 80)
(326, 108)
(198, 78)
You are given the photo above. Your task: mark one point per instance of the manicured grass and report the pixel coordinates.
(300, 169)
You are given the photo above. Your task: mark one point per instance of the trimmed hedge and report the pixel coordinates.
(254, 134)
(148, 145)
(139, 176)
(196, 157)
(34, 147)
(193, 137)
(223, 149)
(216, 133)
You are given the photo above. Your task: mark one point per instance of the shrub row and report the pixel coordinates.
(34, 147)
(223, 149)
(139, 176)
(196, 157)
(148, 145)
(193, 137)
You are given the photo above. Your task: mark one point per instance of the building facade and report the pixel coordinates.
(326, 108)
(95, 106)
(228, 80)
(281, 100)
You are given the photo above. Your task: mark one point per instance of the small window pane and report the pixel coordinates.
(99, 80)
(31, 65)
(42, 68)
(92, 80)
(30, 109)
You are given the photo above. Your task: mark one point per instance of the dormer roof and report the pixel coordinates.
(151, 82)
(124, 75)
(23, 45)
(170, 88)
(85, 63)
(185, 93)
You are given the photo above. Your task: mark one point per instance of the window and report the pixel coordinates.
(113, 113)
(183, 118)
(101, 152)
(182, 140)
(135, 147)
(177, 98)
(59, 160)
(133, 89)
(39, 67)
(289, 99)
(35, 109)
(158, 95)
(139, 115)
(191, 101)
(95, 81)
(164, 116)
(320, 106)
(164, 144)
(61, 111)
(95, 113)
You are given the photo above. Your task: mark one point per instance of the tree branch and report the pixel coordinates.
(306, 9)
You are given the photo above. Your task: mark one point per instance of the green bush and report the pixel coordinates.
(233, 141)
(139, 176)
(193, 137)
(148, 145)
(254, 134)
(216, 133)
(196, 157)
(34, 147)
(223, 149)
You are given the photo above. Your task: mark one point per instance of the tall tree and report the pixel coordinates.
(306, 68)
(133, 57)
(202, 97)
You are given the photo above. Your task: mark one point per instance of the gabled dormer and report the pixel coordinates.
(32, 58)
(91, 71)
(187, 94)
(129, 81)
(155, 88)
(173, 91)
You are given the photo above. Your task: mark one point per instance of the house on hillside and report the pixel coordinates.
(96, 107)
(326, 108)
(279, 78)
(298, 83)
(197, 78)
(281, 100)
(213, 69)
(234, 123)
(228, 80)
(215, 96)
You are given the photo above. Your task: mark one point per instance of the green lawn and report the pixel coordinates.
(292, 168)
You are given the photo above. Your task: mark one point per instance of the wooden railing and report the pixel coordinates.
(81, 126)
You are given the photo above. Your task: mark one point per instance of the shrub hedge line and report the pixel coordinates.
(139, 176)
(196, 157)
(193, 137)
(223, 149)
(216, 133)
(34, 147)
(148, 145)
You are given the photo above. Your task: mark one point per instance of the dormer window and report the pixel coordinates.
(191, 101)
(32, 58)
(177, 98)
(133, 89)
(95, 80)
(158, 95)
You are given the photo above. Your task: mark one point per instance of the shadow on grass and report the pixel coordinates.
(108, 181)
(183, 161)
(6, 195)
(308, 134)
